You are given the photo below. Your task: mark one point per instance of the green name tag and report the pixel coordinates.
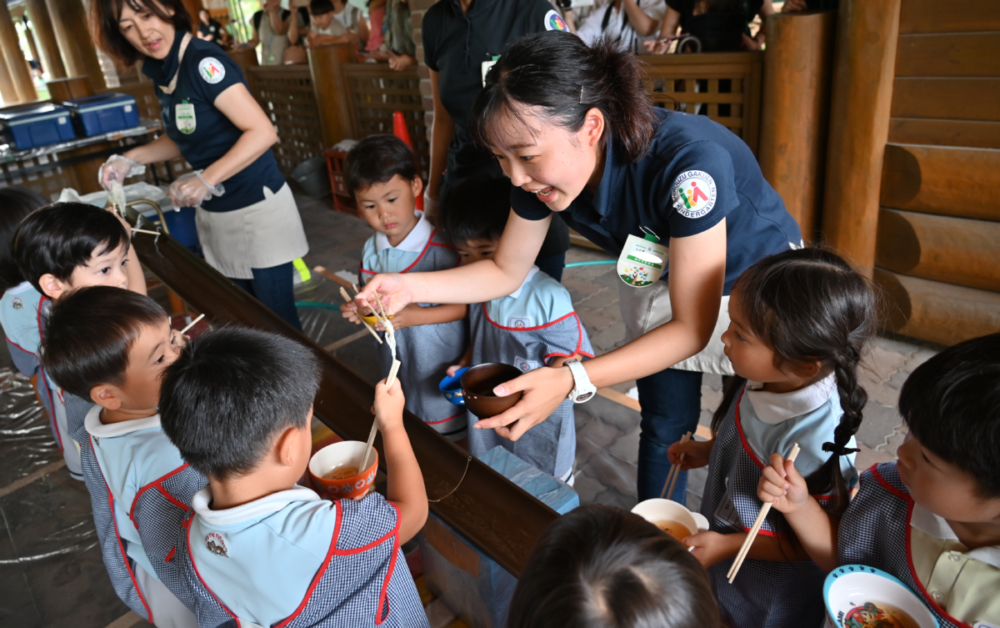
(184, 118)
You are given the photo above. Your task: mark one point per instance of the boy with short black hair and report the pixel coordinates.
(257, 547)
(59, 248)
(70, 245)
(110, 347)
(532, 327)
(381, 171)
(932, 519)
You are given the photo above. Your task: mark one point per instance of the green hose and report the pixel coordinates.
(322, 306)
(598, 262)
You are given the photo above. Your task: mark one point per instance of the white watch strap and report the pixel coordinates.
(583, 389)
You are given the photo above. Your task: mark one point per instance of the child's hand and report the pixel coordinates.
(696, 453)
(402, 319)
(782, 485)
(350, 312)
(388, 406)
(712, 547)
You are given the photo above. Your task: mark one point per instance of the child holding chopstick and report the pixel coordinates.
(381, 172)
(932, 519)
(800, 323)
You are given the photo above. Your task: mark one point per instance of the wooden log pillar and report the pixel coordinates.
(69, 88)
(69, 20)
(795, 112)
(331, 93)
(17, 64)
(193, 6)
(8, 91)
(47, 43)
(867, 33)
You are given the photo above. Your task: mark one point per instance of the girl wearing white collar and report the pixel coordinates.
(800, 321)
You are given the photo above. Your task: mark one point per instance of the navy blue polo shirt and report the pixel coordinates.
(696, 173)
(205, 72)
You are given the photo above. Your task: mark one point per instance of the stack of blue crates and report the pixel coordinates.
(36, 126)
(104, 113)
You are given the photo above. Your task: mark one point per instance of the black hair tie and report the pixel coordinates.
(839, 450)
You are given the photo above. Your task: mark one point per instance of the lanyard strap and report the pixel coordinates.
(169, 89)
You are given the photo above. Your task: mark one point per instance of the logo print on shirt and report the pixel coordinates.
(211, 70)
(216, 544)
(519, 322)
(17, 304)
(694, 194)
(555, 22)
(525, 365)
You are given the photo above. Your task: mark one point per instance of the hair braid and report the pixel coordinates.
(853, 398)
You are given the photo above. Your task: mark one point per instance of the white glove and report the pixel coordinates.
(191, 190)
(116, 169)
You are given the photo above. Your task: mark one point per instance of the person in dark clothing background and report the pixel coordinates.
(462, 39)
(692, 17)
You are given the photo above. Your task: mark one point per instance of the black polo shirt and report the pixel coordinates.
(696, 173)
(456, 45)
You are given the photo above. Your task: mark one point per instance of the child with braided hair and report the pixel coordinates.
(800, 321)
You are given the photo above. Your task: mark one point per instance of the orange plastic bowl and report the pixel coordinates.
(343, 453)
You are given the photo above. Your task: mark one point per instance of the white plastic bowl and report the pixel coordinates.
(850, 589)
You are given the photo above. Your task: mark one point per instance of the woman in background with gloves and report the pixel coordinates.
(247, 220)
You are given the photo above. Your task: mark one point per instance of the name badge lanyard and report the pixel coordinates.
(643, 260)
(184, 116)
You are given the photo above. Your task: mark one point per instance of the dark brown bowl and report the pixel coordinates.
(478, 384)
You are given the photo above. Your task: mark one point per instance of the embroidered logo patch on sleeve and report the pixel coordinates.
(211, 70)
(694, 194)
(555, 22)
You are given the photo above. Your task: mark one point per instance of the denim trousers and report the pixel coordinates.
(273, 287)
(671, 405)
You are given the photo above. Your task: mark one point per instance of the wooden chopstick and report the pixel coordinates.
(756, 527)
(192, 323)
(675, 470)
(677, 473)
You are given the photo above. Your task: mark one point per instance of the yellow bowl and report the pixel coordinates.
(372, 320)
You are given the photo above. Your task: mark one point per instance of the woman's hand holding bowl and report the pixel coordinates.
(544, 389)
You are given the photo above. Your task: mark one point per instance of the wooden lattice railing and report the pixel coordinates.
(373, 91)
(725, 86)
(286, 95)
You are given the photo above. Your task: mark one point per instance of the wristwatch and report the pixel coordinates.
(583, 390)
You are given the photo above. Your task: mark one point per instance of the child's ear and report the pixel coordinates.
(52, 287)
(418, 186)
(287, 446)
(807, 369)
(106, 396)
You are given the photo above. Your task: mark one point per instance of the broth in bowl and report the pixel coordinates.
(677, 530)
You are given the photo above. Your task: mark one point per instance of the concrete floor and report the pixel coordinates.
(50, 570)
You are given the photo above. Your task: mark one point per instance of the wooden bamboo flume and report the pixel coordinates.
(792, 455)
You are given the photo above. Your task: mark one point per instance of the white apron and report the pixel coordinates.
(645, 309)
(263, 235)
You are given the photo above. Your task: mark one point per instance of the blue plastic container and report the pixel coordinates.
(41, 125)
(104, 113)
(182, 228)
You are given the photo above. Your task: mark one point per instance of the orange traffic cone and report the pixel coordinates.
(399, 130)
